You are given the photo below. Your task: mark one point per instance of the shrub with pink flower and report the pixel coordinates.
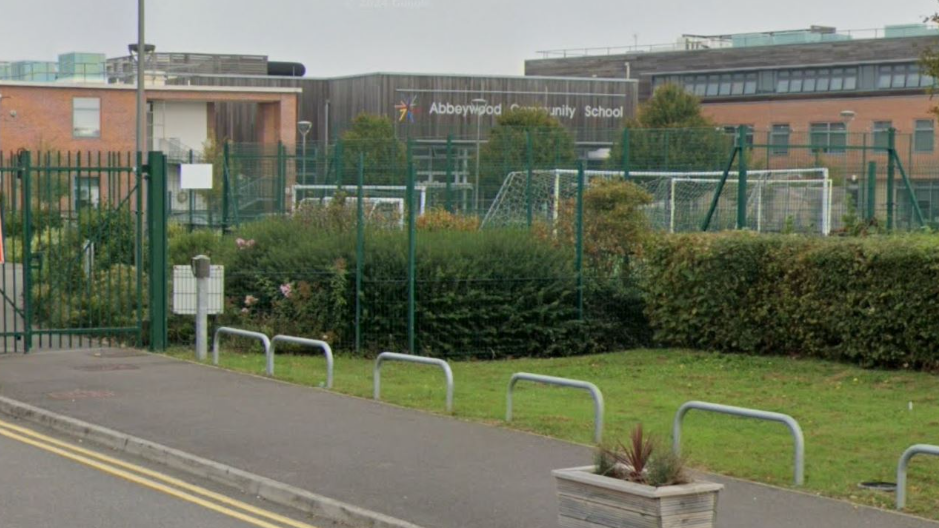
(244, 244)
(286, 289)
(250, 300)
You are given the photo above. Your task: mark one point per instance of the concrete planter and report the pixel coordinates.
(588, 500)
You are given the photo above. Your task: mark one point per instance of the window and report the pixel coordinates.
(824, 78)
(912, 76)
(837, 79)
(808, 85)
(725, 84)
(885, 76)
(850, 78)
(899, 77)
(779, 139)
(700, 85)
(749, 86)
(731, 130)
(795, 84)
(829, 138)
(881, 129)
(87, 192)
(737, 87)
(782, 82)
(924, 136)
(713, 84)
(86, 117)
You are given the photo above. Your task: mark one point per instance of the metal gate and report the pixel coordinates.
(75, 272)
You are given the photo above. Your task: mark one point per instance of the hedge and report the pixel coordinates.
(873, 301)
(488, 294)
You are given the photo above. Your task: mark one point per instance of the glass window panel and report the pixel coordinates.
(809, 84)
(749, 87)
(782, 82)
(886, 75)
(713, 85)
(850, 82)
(912, 76)
(838, 138)
(924, 136)
(899, 77)
(779, 139)
(737, 86)
(880, 133)
(725, 84)
(837, 79)
(86, 117)
(824, 78)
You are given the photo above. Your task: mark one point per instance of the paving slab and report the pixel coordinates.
(431, 470)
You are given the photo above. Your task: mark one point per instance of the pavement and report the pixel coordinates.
(434, 471)
(42, 488)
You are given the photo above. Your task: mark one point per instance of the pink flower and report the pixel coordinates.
(244, 244)
(286, 289)
(250, 300)
(244, 310)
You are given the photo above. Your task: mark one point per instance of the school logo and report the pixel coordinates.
(406, 109)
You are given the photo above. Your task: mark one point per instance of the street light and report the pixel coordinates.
(304, 128)
(480, 107)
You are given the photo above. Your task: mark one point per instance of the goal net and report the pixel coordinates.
(787, 200)
(427, 196)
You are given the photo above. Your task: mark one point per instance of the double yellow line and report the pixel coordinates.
(151, 479)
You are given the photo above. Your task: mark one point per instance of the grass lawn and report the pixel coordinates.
(856, 422)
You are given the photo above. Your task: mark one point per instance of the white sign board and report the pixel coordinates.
(195, 176)
(184, 290)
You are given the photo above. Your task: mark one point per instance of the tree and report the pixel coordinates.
(671, 133)
(507, 149)
(373, 137)
(929, 62)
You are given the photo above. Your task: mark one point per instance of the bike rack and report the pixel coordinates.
(310, 343)
(391, 356)
(561, 382)
(268, 352)
(746, 413)
(918, 449)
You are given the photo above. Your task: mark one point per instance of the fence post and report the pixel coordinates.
(665, 149)
(359, 251)
(281, 177)
(579, 258)
(529, 159)
(192, 197)
(626, 153)
(226, 184)
(156, 216)
(871, 191)
(26, 171)
(891, 168)
(742, 178)
(412, 235)
(338, 164)
(448, 197)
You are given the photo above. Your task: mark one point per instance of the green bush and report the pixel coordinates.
(873, 301)
(493, 294)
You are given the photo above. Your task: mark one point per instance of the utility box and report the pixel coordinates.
(184, 290)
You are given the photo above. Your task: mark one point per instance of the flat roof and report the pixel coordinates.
(153, 88)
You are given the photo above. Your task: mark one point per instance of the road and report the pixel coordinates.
(46, 481)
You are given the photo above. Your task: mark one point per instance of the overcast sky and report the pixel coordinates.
(339, 37)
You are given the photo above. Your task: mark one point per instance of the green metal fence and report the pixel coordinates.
(75, 270)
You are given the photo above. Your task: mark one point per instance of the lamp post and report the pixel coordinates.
(480, 108)
(304, 128)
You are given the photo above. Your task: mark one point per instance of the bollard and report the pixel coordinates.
(201, 269)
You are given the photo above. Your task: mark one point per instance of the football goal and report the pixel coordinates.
(786, 200)
(427, 196)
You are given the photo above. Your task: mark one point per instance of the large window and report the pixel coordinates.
(829, 138)
(779, 139)
(893, 76)
(924, 136)
(815, 80)
(881, 133)
(86, 192)
(86, 117)
(732, 131)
